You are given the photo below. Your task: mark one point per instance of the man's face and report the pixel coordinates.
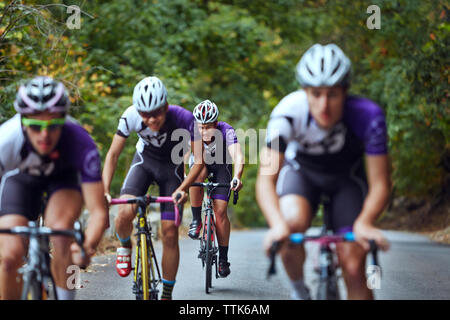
(207, 130)
(155, 119)
(326, 104)
(43, 130)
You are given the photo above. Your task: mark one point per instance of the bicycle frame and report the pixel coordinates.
(148, 277)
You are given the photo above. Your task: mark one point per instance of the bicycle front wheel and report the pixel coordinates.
(32, 288)
(328, 289)
(142, 269)
(208, 255)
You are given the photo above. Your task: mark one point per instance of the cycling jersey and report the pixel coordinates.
(26, 175)
(294, 131)
(218, 159)
(216, 152)
(156, 158)
(178, 127)
(327, 161)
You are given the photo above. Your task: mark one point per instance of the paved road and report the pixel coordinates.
(414, 268)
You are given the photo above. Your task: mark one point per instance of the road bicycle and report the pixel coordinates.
(147, 275)
(328, 267)
(38, 282)
(208, 244)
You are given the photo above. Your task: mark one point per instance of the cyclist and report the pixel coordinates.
(43, 150)
(317, 141)
(221, 148)
(158, 125)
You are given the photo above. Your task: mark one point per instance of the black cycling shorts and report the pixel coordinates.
(346, 191)
(22, 193)
(145, 170)
(222, 173)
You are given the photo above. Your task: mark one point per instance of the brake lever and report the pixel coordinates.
(79, 239)
(272, 253)
(235, 193)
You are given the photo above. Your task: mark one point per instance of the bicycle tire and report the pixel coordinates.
(32, 288)
(328, 289)
(208, 258)
(144, 267)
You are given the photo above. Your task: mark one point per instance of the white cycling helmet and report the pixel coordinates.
(149, 94)
(42, 94)
(323, 66)
(206, 112)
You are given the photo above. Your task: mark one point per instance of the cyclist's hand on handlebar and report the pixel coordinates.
(365, 231)
(82, 260)
(236, 184)
(177, 199)
(277, 233)
(108, 199)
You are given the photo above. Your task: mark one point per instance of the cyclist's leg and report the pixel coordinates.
(346, 205)
(222, 222)
(196, 193)
(169, 178)
(196, 197)
(298, 214)
(63, 209)
(12, 251)
(20, 196)
(136, 183)
(222, 174)
(298, 202)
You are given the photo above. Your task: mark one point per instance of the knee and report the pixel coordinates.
(296, 212)
(170, 237)
(125, 215)
(296, 219)
(221, 214)
(12, 260)
(353, 268)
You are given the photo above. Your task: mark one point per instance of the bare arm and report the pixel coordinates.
(117, 145)
(238, 161)
(376, 200)
(266, 196)
(197, 150)
(98, 221)
(98, 213)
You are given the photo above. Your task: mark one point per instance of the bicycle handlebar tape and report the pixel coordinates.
(177, 210)
(235, 197)
(273, 251)
(374, 250)
(235, 193)
(297, 238)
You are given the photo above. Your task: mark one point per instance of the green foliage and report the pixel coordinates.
(241, 55)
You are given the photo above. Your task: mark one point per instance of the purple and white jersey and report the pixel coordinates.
(216, 152)
(74, 150)
(362, 130)
(160, 143)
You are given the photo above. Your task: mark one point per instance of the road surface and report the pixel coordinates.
(414, 268)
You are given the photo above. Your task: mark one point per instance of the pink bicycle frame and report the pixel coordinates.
(149, 200)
